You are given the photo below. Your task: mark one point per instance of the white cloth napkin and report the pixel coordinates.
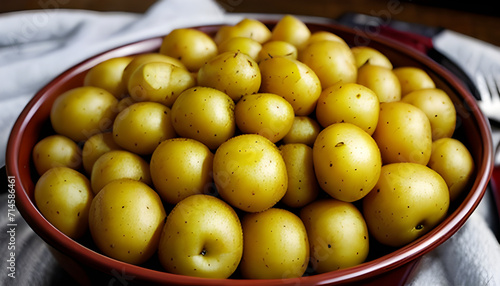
(37, 46)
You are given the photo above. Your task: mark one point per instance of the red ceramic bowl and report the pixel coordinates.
(384, 265)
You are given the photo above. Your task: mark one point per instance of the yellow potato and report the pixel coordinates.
(181, 167)
(205, 114)
(118, 164)
(142, 126)
(403, 133)
(202, 237)
(247, 27)
(347, 161)
(190, 46)
(332, 62)
(365, 55)
(275, 246)
(292, 30)
(452, 160)
(338, 235)
(413, 78)
(108, 75)
(351, 103)
(248, 46)
(82, 112)
(266, 114)
(63, 196)
(141, 59)
(233, 73)
(56, 151)
(438, 107)
(407, 202)
(381, 80)
(303, 187)
(159, 82)
(273, 49)
(95, 146)
(304, 130)
(250, 173)
(325, 36)
(125, 219)
(292, 80)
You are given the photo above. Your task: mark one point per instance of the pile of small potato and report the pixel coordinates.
(258, 151)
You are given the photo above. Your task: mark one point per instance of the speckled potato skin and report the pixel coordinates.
(276, 245)
(56, 151)
(233, 73)
(266, 114)
(338, 234)
(408, 200)
(82, 112)
(347, 161)
(181, 167)
(202, 237)
(118, 164)
(63, 196)
(142, 126)
(204, 114)
(126, 218)
(250, 173)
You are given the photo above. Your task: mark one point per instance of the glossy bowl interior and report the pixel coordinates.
(81, 258)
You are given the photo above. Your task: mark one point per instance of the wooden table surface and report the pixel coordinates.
(478, 20)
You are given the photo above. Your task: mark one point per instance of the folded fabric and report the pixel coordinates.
(36, 46)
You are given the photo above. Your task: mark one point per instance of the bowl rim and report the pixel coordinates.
(368, 269)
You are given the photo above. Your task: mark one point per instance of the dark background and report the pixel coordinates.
(479, 19)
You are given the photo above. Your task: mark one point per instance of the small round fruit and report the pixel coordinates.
(141, 59)
(347, 161)
(82, 112)
(108, 75)
(192, 47)
(159, 82)
(365, 55)
(351, 103)
(56, 151)
(126, 218)
(118, 164)
(274, 49)
(250, 173)
(453, 161)
(248, 46)
(266, 114)
(438, 107)
(408, 201)
(202, 237)
(247, 27)
(142, 126)
(332, 61)
(276, 245)
(234, 73)
(413, 78)
(337, 233)
(204, 114)
(403, 133)
(304, 130)
(181, 167)
(293, 80)
(303, 186)
(63, 196)
(381, 80)
(292, 30)
(325, 36)
(96, 146)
